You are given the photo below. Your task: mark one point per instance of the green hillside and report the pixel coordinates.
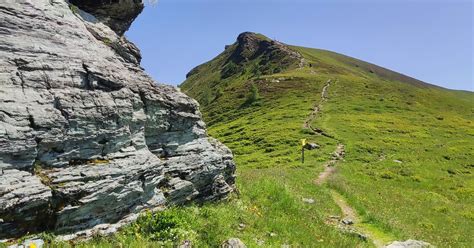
(395, 157)
(409, 147)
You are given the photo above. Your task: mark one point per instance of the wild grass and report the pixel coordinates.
(268, 211)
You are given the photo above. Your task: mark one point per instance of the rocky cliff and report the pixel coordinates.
(87, 139)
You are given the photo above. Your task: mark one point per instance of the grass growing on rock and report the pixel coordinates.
(269, 211)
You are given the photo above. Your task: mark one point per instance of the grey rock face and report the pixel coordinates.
(117, 14)
(87, 139)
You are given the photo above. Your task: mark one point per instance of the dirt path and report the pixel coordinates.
(350, 221)
(347, 211)
(329, 168)
(316, 110)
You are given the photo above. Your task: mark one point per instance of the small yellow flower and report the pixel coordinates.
(32, 245)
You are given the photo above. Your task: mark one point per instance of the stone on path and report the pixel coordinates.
(347, 221)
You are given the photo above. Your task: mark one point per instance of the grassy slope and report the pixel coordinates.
(379, 119)
(430, 130)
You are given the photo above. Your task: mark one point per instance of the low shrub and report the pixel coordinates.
(169, 227)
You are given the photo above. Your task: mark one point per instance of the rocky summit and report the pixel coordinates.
(87, 139)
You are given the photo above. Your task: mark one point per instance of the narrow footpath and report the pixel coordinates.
(350, 221)
(329, 168)
(316, 110)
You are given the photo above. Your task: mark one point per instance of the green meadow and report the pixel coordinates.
(409, 145)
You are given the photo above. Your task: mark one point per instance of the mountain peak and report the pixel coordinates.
(249, 37)
(255, 54)
(272, 56)
(250, 45)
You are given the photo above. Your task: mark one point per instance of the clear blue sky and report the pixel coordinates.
(430, 40)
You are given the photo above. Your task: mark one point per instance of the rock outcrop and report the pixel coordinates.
(233, 243)
(87, 139)
(117, 14)
(257, 54)
(251, 45)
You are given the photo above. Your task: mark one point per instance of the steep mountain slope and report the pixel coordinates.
(409, 146)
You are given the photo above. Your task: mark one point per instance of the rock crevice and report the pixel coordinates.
(87, 139)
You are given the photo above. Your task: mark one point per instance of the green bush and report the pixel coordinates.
(387, 175)
(230, 70)
(219, 93)
(168, 227)
(206, 98)
(253, 95)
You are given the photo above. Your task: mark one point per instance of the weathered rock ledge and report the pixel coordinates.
(87, 139)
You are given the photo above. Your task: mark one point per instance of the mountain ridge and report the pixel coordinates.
(225, 65)
(248, 41)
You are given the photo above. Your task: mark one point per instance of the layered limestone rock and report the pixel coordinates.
(87, 139)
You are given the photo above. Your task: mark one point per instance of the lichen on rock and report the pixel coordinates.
(87, 139)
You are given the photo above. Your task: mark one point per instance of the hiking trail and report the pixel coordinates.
(316, 110)
(329, 166)
(350, 221)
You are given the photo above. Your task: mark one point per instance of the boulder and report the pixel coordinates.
(186, 244)
(87, 139)
(347, 221)
(233, 243)
(409, 244)
(311, 146)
